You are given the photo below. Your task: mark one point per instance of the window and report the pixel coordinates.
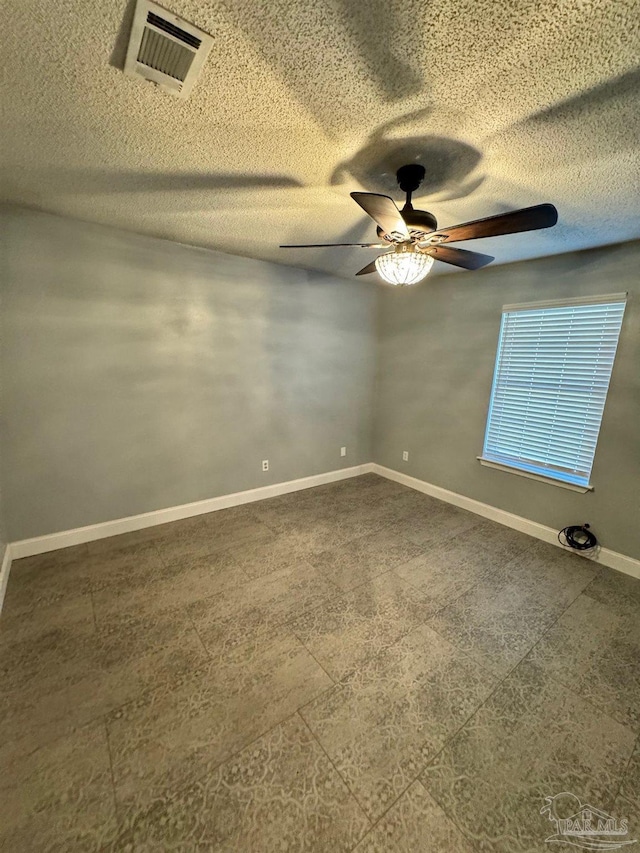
(550, 384)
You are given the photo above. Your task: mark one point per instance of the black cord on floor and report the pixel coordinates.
(577, 536)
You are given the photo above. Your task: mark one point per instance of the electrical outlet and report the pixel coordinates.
(343, 451)
(265, 464)
(405, 455)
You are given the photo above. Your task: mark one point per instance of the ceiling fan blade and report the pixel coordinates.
(369, 268)
(327, 245)
(527, 219)
(459, 257)
(384, 211)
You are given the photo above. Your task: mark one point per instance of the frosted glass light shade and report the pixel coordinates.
(403, 265)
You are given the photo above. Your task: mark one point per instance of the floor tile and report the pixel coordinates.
(45, 582)
(235, 520)
(358, 523)
(630, 787)
(532, 739)
(550, 573)
(448, 522)
(301, 510)
(123, 567)
(45, 579)
(625, 809)
(60, 797)
(496, 624)
(40, 657)
(322, 534)
(208, 537)
(499, 541)
(410, 503)
(430, 521)
(285, 512)
(383, 723)
(355, 562)
(596, 651)
(391, 646)
(52, 620)
(279, 793)
(172, 586)
(408, 514)
(345, 631)
(162, 643)
(342, 504)
(125, 658)
(618, 591)
(50, 650)
(171, 737)
(443, 572)
(415, 823)
(323, 503)
(239, 614)
(29, 567)
(283, 551)
(365, 491)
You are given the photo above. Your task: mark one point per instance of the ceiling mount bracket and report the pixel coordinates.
(410, 177)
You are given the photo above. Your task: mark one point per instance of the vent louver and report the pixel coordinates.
(164, 55)
(183, 35)
(165, 49)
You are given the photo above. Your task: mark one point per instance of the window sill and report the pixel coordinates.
(511, 470)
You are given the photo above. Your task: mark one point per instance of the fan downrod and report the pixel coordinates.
(409, 179)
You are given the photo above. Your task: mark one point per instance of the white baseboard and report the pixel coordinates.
(613, 559)
(80, 535)
(4, 573)
(66, 538)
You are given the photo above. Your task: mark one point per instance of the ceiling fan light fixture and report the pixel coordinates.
(403, 265)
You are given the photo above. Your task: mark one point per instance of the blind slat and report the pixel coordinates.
(542, 434)
(550, 384)
(533, 449)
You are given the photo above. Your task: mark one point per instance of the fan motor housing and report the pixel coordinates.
(420, 221)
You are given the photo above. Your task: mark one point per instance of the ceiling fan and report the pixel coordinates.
(416, 239)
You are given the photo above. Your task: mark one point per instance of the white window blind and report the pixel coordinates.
(550, 384)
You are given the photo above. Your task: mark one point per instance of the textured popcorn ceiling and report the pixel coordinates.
(507, 104)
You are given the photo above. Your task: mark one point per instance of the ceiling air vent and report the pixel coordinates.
(165, 49)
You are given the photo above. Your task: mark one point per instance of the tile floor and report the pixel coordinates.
(352, 667)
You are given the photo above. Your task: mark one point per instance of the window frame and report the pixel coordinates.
(537, 306)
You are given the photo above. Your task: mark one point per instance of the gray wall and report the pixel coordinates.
(437, 347)
(141, 374)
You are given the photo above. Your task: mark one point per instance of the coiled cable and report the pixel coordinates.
(577, 536)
